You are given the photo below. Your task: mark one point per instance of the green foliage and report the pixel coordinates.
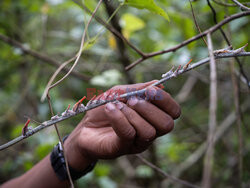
(102, 170)
(149, 5)
(54, 28)
(43, 150)
(144, 171)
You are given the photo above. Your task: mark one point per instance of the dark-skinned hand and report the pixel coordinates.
(124, 127)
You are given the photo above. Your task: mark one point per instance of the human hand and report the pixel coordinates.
(125, 127)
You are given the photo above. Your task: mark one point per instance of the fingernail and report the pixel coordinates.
(110, 107)
(132, 101)
(119, 105)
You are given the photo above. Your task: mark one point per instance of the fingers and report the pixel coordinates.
(145, 133)
(160, 120)
(119, 123)
(164, 101)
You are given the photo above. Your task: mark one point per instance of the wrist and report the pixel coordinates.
(76, 158)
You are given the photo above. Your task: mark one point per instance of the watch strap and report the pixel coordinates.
(59, 165)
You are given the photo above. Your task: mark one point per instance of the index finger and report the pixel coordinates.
(164, 101)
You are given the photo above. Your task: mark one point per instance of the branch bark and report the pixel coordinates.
(208, 161)
(41, 56)
(228, 54)
(186, 42)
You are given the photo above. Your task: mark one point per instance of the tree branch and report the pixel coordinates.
(218, 55)
(208, 161)
(242, 7)
(186, 42)
(122, 51)
(187, 184)
(41, 57)
(227, 41)
(229, 4)
(110, 28)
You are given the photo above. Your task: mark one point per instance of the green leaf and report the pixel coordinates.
(149, 5)
(130, 23)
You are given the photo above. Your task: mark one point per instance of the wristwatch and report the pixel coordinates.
(58, 164)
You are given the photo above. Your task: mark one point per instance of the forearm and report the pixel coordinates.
(41, 175)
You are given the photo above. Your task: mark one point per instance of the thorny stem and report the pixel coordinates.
(219, 54)
(186, 42)
(227, 41)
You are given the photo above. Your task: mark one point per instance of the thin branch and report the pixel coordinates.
(61, 142)
(81, 47)
(40, 56)
(229, 4)
(64, 116)
(197, 154)
(227, 40)
(186, 42)
(196, 23)
(236, 95)
(110, 28)
(242, 7)
(122, 50)
(208, 161)
(159, 170)
(47, 88)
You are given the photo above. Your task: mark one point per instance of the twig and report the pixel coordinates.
(122, 50)
(196, 23)
(227, 40)
(110, 28)
(40, 56)
(157, 169)
(186, 42)
(197, 154)
(61, 142)
(238, 114)
(229, 4)
(81, 47)
(47, 88)
(228, 54)
(208, 161)
(242, 7)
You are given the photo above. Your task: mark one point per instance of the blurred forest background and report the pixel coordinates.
(54, 28)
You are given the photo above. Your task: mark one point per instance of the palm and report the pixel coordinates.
(98, 137)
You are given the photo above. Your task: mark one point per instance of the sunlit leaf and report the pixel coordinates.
(149, 5)
(131, 23)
